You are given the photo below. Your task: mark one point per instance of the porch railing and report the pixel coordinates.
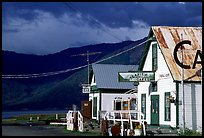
(70, 120)
(126, 116)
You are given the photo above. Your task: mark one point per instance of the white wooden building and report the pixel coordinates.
(158, 56)
(108, 92)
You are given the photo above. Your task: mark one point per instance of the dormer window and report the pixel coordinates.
(154, 57)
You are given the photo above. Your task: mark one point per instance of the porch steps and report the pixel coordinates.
(91, 126)
(161, 131)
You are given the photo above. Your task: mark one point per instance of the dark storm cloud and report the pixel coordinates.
(118, 14)
(49, 27)
(153, 13)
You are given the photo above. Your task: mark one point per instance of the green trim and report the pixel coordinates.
(177, 105)
(143, 110)
(94, 88)
(121, 79)
(154, 86)
(100, 100)
(95, 107)
(122, 91)
(146, 49)
(90, 73)
(154, 109)
(136, 76)
(154, 57)
(167, 94)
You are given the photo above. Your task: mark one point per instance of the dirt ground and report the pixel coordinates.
(33, 131)
(42, 130)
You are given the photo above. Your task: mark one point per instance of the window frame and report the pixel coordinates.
(154, 86)
(95, 107)
(143, 108)
(166, 113)
(154, 57)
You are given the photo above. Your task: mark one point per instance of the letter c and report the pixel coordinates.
(175, 53)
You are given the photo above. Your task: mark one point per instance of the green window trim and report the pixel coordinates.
(143, 105)
(154, 57)
(167, 106)
(154, 86)
(95, 107)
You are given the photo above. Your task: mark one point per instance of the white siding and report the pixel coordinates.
(92, 80)
(98, 99)
(193, 106)
(107, 100)
(164, 84)
(143, 88)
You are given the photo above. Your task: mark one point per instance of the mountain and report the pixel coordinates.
(58, 91)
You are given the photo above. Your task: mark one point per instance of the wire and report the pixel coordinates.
(22, 76)
(90, 18)
(122, 52)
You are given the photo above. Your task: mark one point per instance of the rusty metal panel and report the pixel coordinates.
(167, 38)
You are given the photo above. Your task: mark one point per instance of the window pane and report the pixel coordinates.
(167, 107)
(154, 57)
(95, 107)
(154, 86)
(143, 105)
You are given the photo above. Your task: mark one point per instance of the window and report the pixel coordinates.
(154, 86)
(95, 107)
(143, 104)
(94, 80)
(117, 105)
(133, 104)
(167, 107)
(154, 57)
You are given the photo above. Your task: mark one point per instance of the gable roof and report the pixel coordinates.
(106, 75)
(167, 38)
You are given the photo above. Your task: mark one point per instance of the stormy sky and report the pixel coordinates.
(49, 27)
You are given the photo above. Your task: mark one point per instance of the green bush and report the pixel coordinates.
(189, 132)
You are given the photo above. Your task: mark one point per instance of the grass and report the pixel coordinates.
(44, 118)
(8, 120)
(36, 118)
(41, 117)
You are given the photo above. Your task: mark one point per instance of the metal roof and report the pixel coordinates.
(167, 38)
(106, 75)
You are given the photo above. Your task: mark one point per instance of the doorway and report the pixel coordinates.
(154, 110)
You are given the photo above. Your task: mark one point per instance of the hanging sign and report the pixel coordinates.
(86, 88)
(140, 76)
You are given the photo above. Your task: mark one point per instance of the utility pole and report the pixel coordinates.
(87, 59)
(88, 81)
(87, 56)
(182, 86)
(88, 65)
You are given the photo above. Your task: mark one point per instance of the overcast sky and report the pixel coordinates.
(49, 27)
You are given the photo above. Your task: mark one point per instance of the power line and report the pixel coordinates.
(90, 18)
(122, 52)
(22, 76)
(40, 74)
